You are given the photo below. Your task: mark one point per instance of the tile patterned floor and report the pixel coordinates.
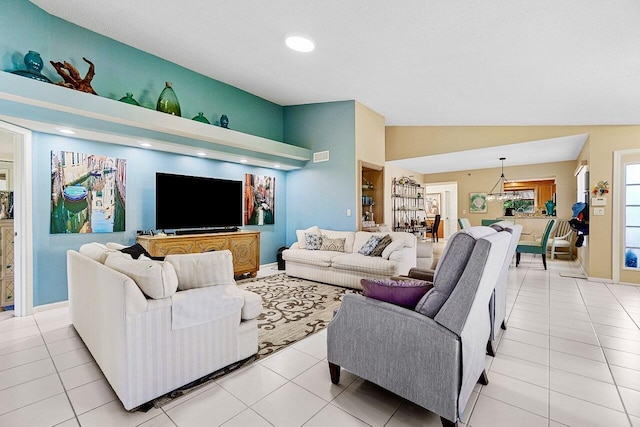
(571, 356)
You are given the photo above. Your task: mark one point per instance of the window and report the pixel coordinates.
(632, 215)
(524, 205)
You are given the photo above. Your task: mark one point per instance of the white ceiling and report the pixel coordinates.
(416, 62)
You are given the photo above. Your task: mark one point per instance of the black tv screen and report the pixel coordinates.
(190, 202)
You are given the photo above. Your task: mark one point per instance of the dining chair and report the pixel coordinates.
(464, 223)
(562, 239)
(536, 247)
(433, 228)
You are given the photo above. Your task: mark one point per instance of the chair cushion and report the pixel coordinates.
(252, 307)
(202, 269)
(450, 268)
(405, 293)
(156, 279)
(382, 244)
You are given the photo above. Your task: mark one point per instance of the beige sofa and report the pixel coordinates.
(155, 326)
(347, 267)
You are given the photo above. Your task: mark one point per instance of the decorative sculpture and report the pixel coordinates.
(71, 76)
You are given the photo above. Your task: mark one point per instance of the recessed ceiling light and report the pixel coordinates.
(300, 44)
(243, 160)
(201, 154)
(66, 131)
(145, 144)
(276, 166)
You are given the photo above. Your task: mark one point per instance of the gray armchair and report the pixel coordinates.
(433, 355)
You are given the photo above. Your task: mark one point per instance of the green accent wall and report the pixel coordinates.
(121, 68)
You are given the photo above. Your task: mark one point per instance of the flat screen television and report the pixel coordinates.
(193, 202)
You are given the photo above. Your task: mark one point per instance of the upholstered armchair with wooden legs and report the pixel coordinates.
(536, 247)
(435, 354)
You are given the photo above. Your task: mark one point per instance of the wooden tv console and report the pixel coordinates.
(244, 246)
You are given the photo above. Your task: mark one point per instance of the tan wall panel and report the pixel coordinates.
(370, 135)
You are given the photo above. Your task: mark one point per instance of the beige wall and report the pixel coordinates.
(370, 147)
(370, 135)
(407, 142)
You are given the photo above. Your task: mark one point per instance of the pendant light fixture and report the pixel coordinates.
(500, 194)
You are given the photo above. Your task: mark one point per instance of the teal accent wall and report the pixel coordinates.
(121, 68)
(320, 193)
(50, 279)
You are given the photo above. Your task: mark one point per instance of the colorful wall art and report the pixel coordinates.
(88, 193)
(259, 199)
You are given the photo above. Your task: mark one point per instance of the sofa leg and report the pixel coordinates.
(544, 260)
(504, 325)
(517, 258)
(447, 423)
(490, 351)
(484, 379)
(334, 371)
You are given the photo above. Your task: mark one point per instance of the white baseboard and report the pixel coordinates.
(52, 306)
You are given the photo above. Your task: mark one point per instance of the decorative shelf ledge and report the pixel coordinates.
(39, 106)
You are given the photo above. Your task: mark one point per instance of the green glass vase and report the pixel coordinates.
(168, 101)
(201, 118)
(128, 99)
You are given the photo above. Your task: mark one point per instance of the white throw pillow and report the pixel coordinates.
(96, 251)
(156, 279)
(392, 247)
(302, 244)
(204, 269)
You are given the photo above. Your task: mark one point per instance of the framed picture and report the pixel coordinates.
(477, 202)
(432, 204)
(259, 199)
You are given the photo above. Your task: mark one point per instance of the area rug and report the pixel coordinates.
(292, 310)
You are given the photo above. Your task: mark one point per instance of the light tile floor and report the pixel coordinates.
(571, 356)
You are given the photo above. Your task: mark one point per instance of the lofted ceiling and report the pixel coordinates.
(416, 62)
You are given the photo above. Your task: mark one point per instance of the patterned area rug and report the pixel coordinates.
(292, 310)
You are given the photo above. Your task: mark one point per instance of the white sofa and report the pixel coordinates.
(196, 323)
(347, 268)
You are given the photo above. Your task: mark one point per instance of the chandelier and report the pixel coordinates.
(500, 194)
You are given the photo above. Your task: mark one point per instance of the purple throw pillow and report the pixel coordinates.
(405, 293)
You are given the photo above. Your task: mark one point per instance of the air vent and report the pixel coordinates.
(321, 156)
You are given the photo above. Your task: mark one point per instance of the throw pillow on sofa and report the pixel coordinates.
(313, 241)
(393, 246)
(405, 293)
(136, 250)
(370, 245)
(302, 243)
(336, 245)
(384, 242)
(156, 279)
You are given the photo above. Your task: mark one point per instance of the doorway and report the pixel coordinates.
(449, 200)
(17, 141)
